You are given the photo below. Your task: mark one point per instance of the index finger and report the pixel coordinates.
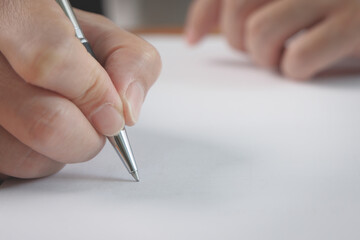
(39, 42)
(203, 15)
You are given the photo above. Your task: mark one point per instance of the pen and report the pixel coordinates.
(120, 142)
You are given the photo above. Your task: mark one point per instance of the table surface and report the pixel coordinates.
(225, 151)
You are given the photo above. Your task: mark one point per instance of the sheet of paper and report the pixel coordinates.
(225, 151)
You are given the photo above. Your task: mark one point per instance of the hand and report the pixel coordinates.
(56, 101)
(268, 30)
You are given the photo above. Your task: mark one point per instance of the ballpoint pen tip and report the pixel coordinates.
(136, 176)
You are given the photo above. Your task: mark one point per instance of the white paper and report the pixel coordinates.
(225, 151)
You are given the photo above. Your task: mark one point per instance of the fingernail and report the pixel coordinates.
(135, 95)
(107, 120)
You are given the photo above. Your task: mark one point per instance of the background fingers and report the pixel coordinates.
(268, 29)
(323, 45)
(202, 17)
(234, 14)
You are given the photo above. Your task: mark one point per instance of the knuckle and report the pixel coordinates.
(152, 58)
(48, 61)
(147, 65)
(47, 127)
(149, 53)
(255, 26)
(49, 57)
(294, 63)
(264, 45)
(94, 92)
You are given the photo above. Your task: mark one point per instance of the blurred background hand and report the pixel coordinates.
(301, 37)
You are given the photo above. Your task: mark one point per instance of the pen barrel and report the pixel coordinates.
(66, 6)
(123, 149)
(120, 142)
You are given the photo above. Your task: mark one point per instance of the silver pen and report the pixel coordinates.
(120, 142)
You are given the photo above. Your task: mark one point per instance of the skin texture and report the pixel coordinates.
(56, 101)
(299, 37)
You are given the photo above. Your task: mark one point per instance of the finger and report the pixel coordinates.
(234, 15)
(46, 122)
(323, 45)
(202, 17)
(20, 161)
(132, 63)
(269, 28)
(39, 42)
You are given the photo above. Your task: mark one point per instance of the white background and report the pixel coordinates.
(225, 151)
